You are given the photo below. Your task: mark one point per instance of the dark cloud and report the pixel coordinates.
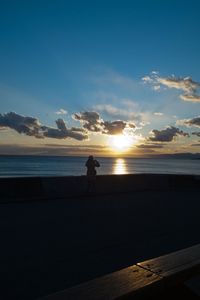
(167, 134)
(62, 132)
(92, 122)
(196, 133)
(26, 125)
(61, 125)
(31, 126)
(115, 127)
(190, 122)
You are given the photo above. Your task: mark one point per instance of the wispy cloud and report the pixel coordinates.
(191, 98)
(61, 111)
(52, 149)
(108, 76)
(185, 84)
(150, 146)
(158, 114)
(117, 112)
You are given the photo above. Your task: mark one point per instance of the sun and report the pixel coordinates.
(121, 142)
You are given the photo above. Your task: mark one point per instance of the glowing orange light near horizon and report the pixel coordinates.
(121, 142)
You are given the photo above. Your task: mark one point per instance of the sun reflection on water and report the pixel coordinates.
(119, 166)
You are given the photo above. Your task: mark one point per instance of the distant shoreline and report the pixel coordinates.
(156, 156)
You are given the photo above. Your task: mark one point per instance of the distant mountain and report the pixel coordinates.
(178, 155)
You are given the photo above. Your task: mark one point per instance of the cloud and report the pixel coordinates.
(90, 119)
(74, 146)
(62, 132)
(190, 122)
(196, 133)
(147, 79)
(150, 146)
(115, 127)
(110, 110)
(25, 125)
(110, 77)
(156, 87)
(61, 111)
(121, 113)
(52, 149)
(79, 129)
(92, 122)
(167, 134)
(158, 114)
(186, 84)
(190, 98)
(31, 126)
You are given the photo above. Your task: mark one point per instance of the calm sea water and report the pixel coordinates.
(16, 166)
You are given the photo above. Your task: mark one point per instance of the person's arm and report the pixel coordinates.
(97, 164)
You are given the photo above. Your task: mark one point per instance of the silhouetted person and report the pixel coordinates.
(91, 164)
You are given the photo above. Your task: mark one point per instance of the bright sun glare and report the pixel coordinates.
(121, 142)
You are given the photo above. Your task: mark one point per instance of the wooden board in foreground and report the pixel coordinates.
(109, 287)
(140, 280)
(174, 263)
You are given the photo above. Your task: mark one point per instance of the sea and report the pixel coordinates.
(30, 166)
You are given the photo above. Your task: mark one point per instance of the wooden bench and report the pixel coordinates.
(138, 281)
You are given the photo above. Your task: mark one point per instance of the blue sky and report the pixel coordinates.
(98, 56)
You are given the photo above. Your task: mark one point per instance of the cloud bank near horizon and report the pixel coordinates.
(91, 123)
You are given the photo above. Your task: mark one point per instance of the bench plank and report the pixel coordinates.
(137, 280)
(172, 263)
(109, 287)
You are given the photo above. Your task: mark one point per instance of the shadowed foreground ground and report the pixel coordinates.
(47, 246)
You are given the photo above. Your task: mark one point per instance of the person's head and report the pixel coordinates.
(91, 157)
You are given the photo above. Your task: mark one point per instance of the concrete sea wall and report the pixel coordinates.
(27, 188)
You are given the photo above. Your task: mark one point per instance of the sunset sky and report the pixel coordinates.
(99, 77)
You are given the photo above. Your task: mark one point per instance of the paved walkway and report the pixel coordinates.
(51, 245)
